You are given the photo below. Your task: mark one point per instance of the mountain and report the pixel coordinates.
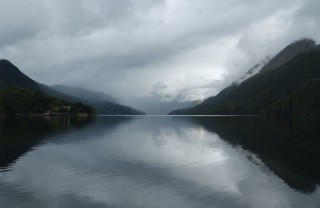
(54, 93)
(303, 101)
(289, 52)
(153, 105)
(19, 94)
(98, 100)
(163, 107)
(95, 97)
(11, 76)
(15, 101)
(286, 72)
(108, 108)
(253, 71)
(24, 95)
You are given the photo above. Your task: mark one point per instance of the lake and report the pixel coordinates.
(178, 162)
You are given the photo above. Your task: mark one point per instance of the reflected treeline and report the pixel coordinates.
(19, 134)
(289, 147)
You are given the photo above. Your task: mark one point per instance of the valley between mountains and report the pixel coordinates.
(286, 84)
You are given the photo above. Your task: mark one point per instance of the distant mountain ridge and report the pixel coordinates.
(101, 104)
(156, 106)
(79, 92)
(290, 69)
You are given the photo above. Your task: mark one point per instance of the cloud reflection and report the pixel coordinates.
(146, 162)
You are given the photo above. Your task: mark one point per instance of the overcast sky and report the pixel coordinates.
(172, 49)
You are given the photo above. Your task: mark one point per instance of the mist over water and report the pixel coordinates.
(159, 162)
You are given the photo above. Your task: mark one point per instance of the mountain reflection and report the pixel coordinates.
(290, 148)
(18, 135)
(139, 161)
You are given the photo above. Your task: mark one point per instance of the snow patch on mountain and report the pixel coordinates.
(253, 71)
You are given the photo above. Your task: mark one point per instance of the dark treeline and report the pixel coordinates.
(15, 101)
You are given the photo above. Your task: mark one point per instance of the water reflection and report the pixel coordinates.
(290, 147)
(19, 134)
(167, 162)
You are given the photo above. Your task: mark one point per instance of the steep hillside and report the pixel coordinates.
(23, 101)
(253, 71)
(19, 94)
(11, 76)
(25, 96)
(254, 95)
(289, 52)
(303, 101)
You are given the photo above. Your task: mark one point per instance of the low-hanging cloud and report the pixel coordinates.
(126, 47)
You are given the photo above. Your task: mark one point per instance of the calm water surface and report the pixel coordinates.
(176, 162)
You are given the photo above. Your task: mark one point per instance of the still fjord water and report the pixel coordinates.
(160, 162)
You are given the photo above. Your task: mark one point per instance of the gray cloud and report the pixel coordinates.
(125, 47)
